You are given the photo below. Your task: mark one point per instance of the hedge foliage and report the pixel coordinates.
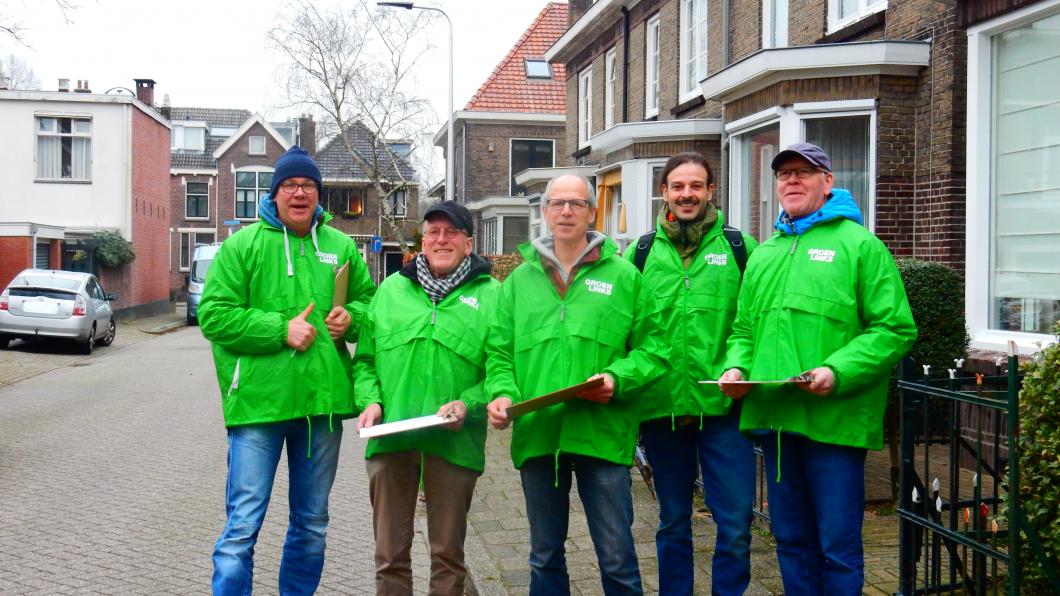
(503, 265)
(936, 297)
(112, 250)
(1039, 463)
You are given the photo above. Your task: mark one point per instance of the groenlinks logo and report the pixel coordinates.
(713, 258)
(470, 301)
(823, 255)
(600, 287)
(328, 258)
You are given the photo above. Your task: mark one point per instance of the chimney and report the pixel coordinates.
(307, 134)
(64, 85)
(167, 110)
(5, 83)
(82, 87)
(145, 91)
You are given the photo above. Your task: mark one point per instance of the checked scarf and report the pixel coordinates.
(438, 289)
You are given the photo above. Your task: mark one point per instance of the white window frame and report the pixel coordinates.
(392, 203)
(38, 133)
(585, 107)
(978, 186)
(208, 184)
(610, 59)
(511, 144)
(690, 89)
(179, 138)
(191, 233)
(490, 229)
(250, 145)
(792, 130)
(235, 189)
(768, 29)
(652, 64)
(865, 8)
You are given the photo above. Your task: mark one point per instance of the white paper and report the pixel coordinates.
(401, 426)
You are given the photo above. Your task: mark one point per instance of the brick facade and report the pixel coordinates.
(488, 171)
(18, 255)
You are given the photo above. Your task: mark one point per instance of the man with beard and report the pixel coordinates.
(693, 263)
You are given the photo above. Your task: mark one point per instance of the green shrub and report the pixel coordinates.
(936, 297)
(503, 265)
(1039, 463)
(112, 250)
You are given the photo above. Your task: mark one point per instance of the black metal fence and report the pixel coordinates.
(957, 434)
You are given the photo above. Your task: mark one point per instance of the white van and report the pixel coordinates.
(200, 264)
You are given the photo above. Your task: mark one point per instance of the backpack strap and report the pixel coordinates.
(739, 249)
(643, 247)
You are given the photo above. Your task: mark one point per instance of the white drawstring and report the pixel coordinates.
(313, 233)
(287, 252)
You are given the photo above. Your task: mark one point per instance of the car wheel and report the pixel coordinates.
(86, 347)
(108, 338)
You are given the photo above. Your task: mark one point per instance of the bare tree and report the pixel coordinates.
(353, 69)
(20, 74)
(11, 24)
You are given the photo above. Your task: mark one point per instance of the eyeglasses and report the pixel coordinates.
(800, 173)
(309, 188)
(436, 233)
(559, 204)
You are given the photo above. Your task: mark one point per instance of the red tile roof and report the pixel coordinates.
(509, 90)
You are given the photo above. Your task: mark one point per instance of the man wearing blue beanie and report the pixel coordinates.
(269, 295)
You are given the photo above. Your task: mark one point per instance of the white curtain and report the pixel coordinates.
(81, 158)
(846, 141)
(49, 157)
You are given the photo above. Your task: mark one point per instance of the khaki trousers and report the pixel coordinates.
(393, 486)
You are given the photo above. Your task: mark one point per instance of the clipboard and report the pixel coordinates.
(401, 426)
(803, 378)
(551, 399)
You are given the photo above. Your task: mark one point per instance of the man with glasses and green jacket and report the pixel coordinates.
(575, 310)
(693, 264)
(421, 352)
(284, 371)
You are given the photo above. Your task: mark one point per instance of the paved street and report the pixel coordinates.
(112, 474)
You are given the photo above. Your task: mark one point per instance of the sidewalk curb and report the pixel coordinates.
(165, 327)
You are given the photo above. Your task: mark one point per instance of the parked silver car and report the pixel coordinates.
(42, 303)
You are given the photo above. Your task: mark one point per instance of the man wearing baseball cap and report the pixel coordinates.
(267, 310)
(821, 297)
(422, 352)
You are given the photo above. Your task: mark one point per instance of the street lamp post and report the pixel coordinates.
(449, 157)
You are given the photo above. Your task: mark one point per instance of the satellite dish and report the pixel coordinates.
(120, 91)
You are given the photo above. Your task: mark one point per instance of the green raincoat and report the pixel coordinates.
(252, 291)
(697, 307)
(414, 356)
(830, 296)
(541, 342)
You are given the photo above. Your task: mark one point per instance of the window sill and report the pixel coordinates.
(855, 26)
(256, 154)
(61, 181)
(581, 152)
(651, 116)
(207, 218)
(694, 102)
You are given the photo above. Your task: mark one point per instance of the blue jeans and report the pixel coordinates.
(606, 494)
(253, 453)
(816, 511)
(728, 463)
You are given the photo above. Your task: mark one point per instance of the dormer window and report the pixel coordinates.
(188, 137)
(538, 69)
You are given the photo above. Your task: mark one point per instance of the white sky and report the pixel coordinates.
(212, 53)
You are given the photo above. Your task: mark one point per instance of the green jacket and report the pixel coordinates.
(541, 342)
(830, 296)
(697, 307)
(248, 300)
(414, 356)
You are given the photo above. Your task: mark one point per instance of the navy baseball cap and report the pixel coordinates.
(808, 151)
(456, 213)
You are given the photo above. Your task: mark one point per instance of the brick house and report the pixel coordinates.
(350, 196)
(514, 122)
(83, 163)
(935, 113)
(222, 162)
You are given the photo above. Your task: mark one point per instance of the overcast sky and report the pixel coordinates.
(212, 53)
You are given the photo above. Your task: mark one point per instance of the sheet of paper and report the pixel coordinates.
(549, 399)
(803, 378)
(401, 426)
(342, 285)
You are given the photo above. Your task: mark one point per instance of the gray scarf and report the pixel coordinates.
(438, 289)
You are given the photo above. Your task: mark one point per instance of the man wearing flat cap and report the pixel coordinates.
(267, 310)
(821, 297)
(422, 352)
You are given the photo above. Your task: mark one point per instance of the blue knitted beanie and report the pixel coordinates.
(296, 163)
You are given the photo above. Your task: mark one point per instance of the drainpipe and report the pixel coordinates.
(725, 10)
(625, 64)
(463, 176)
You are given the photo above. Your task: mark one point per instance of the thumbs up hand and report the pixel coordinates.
(300, 334)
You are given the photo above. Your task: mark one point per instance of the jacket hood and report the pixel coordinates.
(840, 204)
(268, 212)
(545, 247)
(479, 265)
